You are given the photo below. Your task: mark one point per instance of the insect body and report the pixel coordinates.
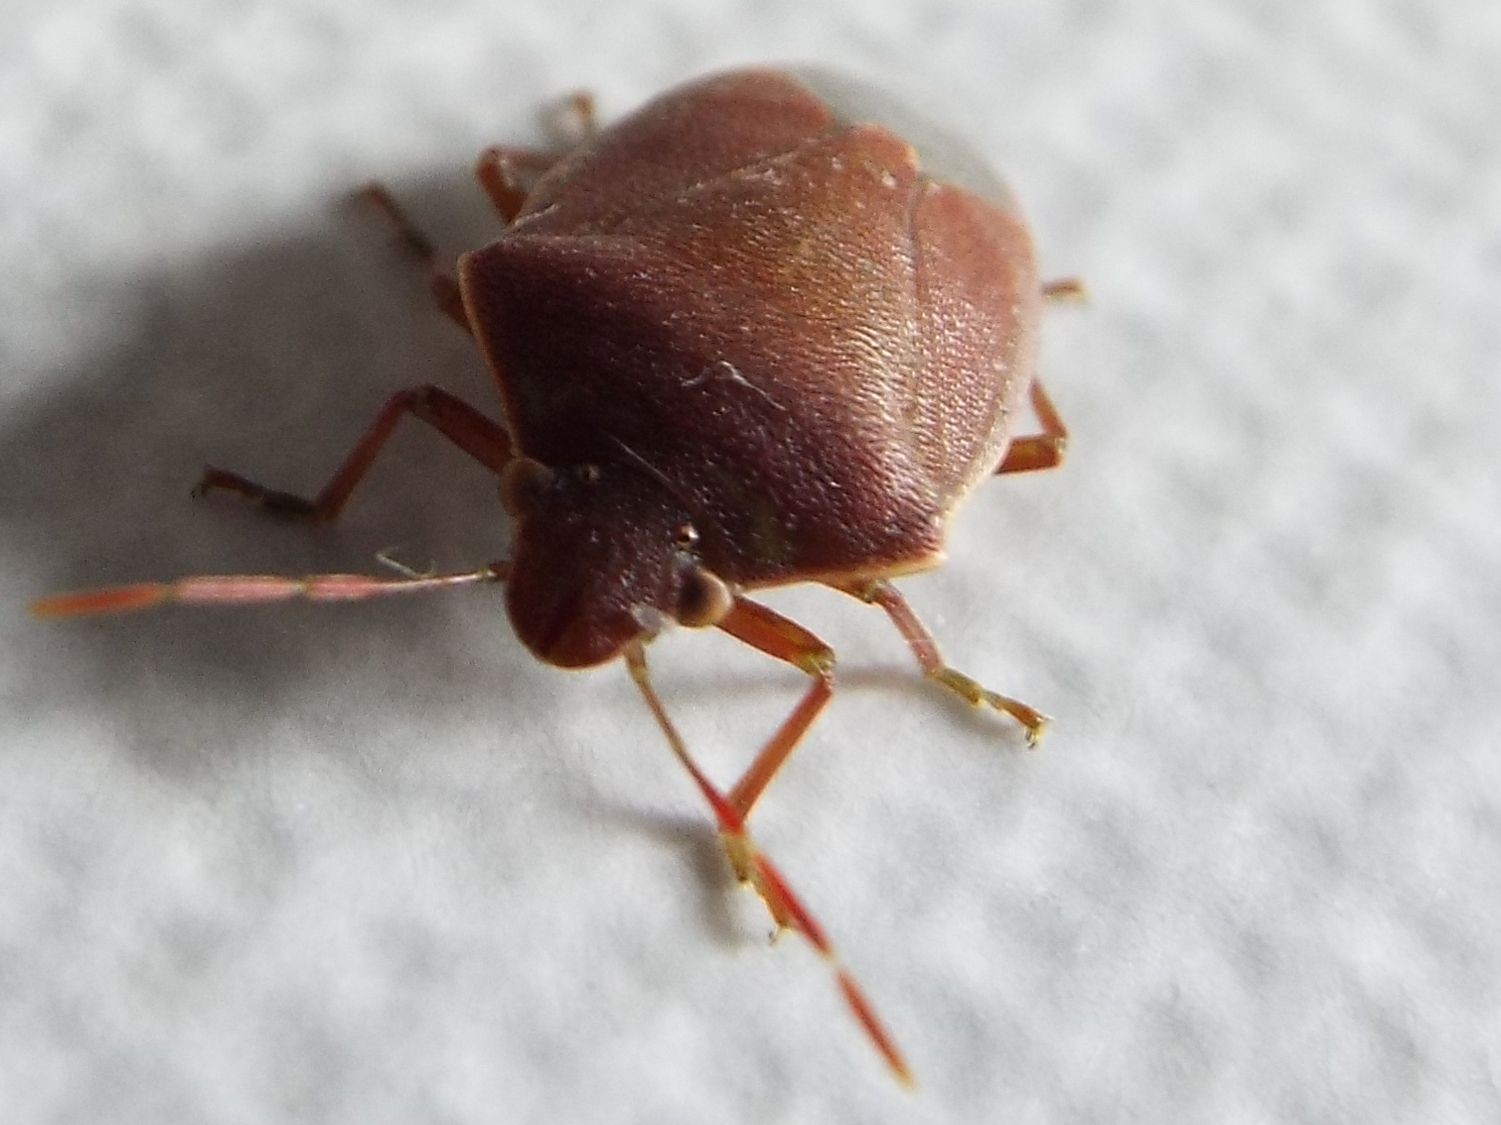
(744, 338)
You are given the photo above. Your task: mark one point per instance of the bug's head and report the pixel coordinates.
(603, 556)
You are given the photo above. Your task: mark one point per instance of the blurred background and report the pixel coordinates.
(373, 863)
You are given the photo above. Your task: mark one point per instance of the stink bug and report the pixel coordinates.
(746, 337)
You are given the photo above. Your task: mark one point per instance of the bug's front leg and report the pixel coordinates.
(484, 440)
(768, 631)
(882, 593)
(753, 866)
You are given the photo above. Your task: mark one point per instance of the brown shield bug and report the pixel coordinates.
(748, 336)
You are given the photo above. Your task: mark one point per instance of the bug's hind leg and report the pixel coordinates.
(507, 172)
(484, 440)
(1066, 289)
(882, 593)
(445, 289)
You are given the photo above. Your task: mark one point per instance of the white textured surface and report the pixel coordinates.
(373, 864)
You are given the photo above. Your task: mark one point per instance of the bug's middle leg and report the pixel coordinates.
(777, 636)
(1045, 450)
(484, 440)
(882, 593)
(445, 289)
(1037, 451)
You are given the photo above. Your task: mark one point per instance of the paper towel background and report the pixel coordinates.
(374, 864)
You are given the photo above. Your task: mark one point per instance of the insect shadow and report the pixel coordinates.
(269, 355)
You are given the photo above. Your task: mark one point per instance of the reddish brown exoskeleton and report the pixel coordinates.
(749, 336)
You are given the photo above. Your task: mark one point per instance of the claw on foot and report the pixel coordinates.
(1035, 722)
(282, 503)
(742, 856)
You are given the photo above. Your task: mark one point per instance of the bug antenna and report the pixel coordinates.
(756, 868)
(244, 589)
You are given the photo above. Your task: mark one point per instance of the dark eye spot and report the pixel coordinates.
(687, 538)
(523, 483)
(703, 600)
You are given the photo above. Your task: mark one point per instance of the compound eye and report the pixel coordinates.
(687, 538)
(703, 600)
(523, 483)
